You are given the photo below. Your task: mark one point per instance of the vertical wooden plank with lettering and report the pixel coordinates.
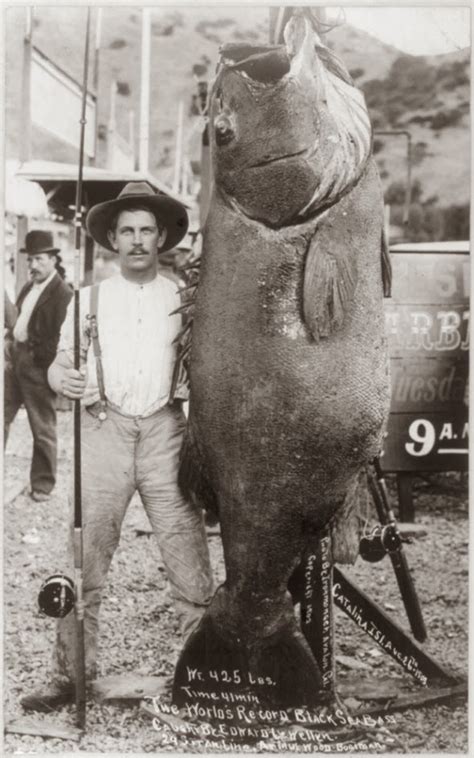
(316, 608)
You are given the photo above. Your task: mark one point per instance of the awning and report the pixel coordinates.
(23, 197)
(58, 180)
(455, 246)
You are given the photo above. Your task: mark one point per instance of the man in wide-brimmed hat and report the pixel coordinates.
(31, 346)
(131, 432)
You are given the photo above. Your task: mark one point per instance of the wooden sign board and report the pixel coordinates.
(427, 321)
(51, 84)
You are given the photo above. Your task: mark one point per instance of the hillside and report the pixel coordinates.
(428, 96)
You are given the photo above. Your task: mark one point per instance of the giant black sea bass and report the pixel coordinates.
(289, 371)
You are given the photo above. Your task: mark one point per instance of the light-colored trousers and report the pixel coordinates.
(119, 456)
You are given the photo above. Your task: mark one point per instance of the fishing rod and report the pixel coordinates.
(78, 541)
(58, 595)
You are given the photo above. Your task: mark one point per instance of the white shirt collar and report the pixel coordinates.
(42, 285)
(138, 285)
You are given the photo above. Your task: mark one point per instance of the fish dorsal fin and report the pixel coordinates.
(330, 278)
(180, 378)
(386, 267)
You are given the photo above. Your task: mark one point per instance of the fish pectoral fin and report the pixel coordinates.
(386, 267)
(329, 283)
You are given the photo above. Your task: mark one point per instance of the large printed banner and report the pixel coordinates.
(427, 322)
(56, 100)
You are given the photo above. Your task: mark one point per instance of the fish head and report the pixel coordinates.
(290, 132)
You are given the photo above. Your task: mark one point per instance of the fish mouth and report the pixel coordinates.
(278, 158)
(267, 65)
(261, 65)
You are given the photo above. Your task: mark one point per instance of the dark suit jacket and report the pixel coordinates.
(45, 322)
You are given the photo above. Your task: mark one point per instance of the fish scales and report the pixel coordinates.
(249, 379)
(289, 370)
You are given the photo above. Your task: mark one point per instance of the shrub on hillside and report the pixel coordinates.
(117, 44)
(456, 222)
(424, 224)
(427, 222)
(377, 119)
(167, 25)
(377, 146)
(410, 85)
(356, 73)
(246, 34)
(395, 193)
(418, 119)
(163, 29)
(454, 74)
(123, 88)
(444, 118)
(204, 26)
(419, 153)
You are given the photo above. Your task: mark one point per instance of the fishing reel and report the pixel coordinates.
(381, 540)
(56, 596)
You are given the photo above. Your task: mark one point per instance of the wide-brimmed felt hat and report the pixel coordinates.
(169, 212)
(39, 241)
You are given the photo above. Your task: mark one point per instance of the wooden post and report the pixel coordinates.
(88, 261)
(131, 137)
(406, 507)
(179, 148)
(143, 161)
(95, 77)
(25, 141)
(111, 128)
(21, 268)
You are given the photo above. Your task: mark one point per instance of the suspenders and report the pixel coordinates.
(92, 317)
(96, 348)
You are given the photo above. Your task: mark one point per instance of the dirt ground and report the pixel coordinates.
(139, 631)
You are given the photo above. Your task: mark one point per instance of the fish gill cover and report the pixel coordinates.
(291, 132)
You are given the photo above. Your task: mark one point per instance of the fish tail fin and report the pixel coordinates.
(278, 670)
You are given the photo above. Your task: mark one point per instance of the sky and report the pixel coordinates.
(413, 28)
(416, 30)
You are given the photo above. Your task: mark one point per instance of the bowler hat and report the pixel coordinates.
(170, 213)
(39, 241)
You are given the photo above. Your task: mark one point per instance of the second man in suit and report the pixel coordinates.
(41, 305)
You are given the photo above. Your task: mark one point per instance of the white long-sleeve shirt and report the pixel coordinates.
(135, 335)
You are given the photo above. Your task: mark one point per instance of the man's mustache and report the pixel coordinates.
(138, 251)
